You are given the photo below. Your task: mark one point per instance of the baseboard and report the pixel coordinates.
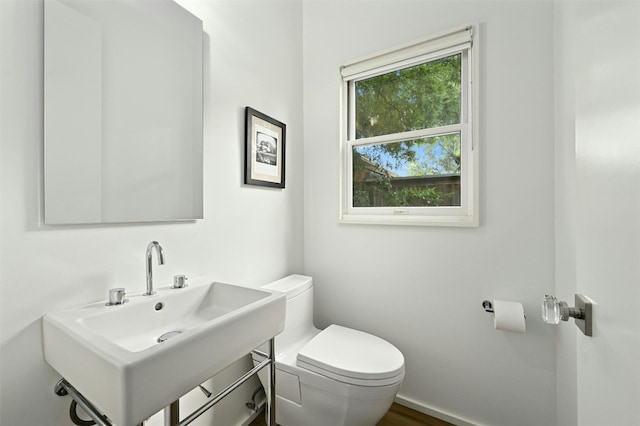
(438, 414)
(407, 402)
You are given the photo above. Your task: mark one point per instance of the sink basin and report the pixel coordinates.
(134, 359)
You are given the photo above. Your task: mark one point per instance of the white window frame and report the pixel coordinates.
(459, 40)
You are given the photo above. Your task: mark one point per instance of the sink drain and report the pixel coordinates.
(167, 336)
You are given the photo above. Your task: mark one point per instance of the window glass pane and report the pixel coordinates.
(420, 97)
(413, 173)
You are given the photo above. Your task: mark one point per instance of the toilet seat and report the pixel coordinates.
(353, 357)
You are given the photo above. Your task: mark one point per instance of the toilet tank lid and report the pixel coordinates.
(292, 285)
(349, 353)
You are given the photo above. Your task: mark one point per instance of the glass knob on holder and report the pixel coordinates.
(554, 311)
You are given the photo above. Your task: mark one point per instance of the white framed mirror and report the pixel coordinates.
(122, 112)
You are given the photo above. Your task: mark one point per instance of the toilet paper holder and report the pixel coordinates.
(488, 307)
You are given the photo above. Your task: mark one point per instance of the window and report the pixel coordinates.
(408, 144)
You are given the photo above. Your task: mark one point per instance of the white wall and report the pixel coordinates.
(422, 288)
(249, 235)
(565, 200)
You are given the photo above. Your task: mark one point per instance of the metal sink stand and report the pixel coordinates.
(172, 412)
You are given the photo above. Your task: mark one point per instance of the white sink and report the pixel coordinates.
(112, 354)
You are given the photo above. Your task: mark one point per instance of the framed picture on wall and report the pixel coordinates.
(264, 150)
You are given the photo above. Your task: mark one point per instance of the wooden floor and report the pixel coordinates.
(399, 415)
(396, 416)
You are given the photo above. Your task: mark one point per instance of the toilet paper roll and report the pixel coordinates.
(509, 316)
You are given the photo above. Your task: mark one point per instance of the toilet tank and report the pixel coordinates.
(298, 308)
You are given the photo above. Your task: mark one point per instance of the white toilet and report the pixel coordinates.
(331, 377)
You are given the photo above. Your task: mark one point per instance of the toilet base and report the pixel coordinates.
(320, 408)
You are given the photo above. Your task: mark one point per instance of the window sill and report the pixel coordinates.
(410, 220)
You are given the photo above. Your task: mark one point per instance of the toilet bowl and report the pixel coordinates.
(337, 376)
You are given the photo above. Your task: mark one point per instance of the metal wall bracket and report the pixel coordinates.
(585, 322)
(63, 388)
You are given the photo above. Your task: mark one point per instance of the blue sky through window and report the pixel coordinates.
(428, 156)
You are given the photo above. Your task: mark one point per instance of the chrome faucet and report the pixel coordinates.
(160, 255)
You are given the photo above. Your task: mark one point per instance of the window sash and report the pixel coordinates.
(463, 129)
(405, 136)
(464, 96)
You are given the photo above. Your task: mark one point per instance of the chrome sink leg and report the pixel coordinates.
(172, 414)
(63, 388)
(271, 401)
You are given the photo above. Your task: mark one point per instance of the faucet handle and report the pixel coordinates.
(116, 296)
(179, 281)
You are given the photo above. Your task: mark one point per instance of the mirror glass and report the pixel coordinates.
(122, 112)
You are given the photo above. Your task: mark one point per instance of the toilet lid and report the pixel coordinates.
(344, 354)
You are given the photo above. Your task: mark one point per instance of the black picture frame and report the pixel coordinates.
(265, 148)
